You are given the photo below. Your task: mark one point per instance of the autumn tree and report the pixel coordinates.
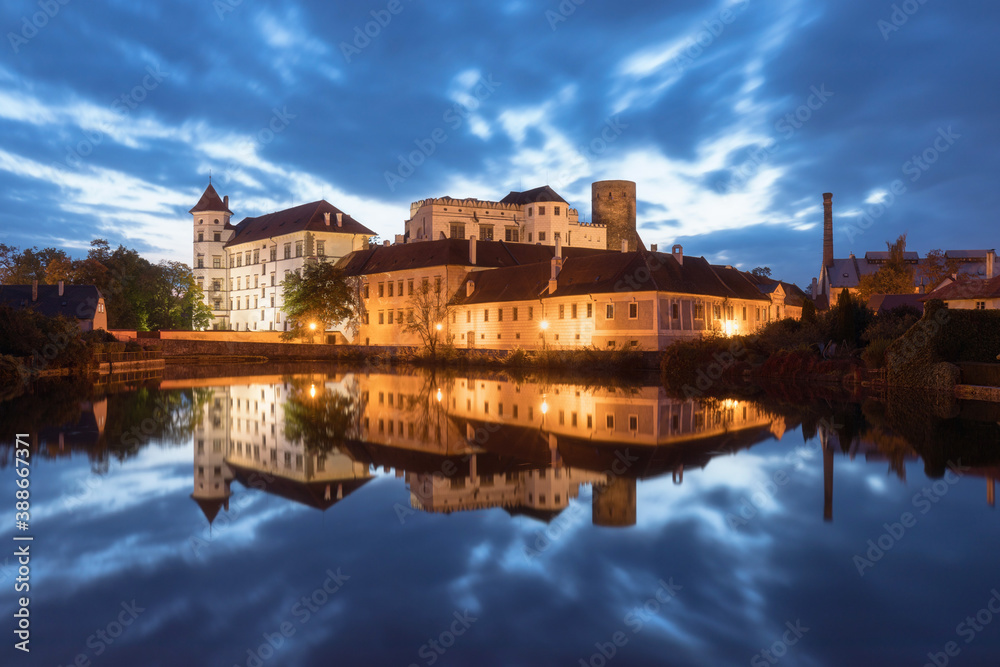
(427, 313)
(893, 277)
(319, 298)
(936, 267)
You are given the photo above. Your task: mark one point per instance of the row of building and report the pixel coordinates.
(523, 272)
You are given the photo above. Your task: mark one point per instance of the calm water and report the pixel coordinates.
(377, 519)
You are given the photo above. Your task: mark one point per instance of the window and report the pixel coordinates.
(510, 235)
(529, 237)
(391, 313)
(610, 421)
(288, 251)
(562, 312)
(541, 236)
(201, 236)
(530, 213)
(590, 310)
(201, 262)
(321, 248)
(239, 260)
(486, 315)
(217, 262)
(400, 292)
(716, 312)
(744, 313)
(274, 254)
(457, 230)
(531, 312)
(409, 316)
(609, 312)
(391, 286)
(247, 259)
(216, 236)
(513, 314)
(633, 311)
(381, 290)
(216, 285)
(633, 423)
(437, 284)
(298, 248)
(541, 211)
(499, 314)
(468, 316)
(486, 232)
(238, 283)
(381, 318)
(572, 311)
(409, 287)
(556, 212)
(699, 311)
(980, 305)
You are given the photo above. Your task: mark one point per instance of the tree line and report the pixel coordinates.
(138, 294)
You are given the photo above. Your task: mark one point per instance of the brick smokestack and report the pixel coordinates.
(828, 229)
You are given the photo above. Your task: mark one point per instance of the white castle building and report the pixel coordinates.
(539, 216)
(241, 267)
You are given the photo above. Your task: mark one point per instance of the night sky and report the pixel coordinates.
(733, 117)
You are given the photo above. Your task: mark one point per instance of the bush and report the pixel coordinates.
(874, 354)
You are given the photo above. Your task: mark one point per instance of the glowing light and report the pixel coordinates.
(439, 326)
(312, 391)
(544, 325)
(312, 326)
(729, 327)
(545, 407)
(439, 396)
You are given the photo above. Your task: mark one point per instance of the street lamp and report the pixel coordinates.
(439, 326)
(544, 325)
(312, 326)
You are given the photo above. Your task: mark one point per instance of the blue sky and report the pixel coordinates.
(733, 117)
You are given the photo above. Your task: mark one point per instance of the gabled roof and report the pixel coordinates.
(543, 194)
(966, 288)
(610, 272)
(210, 201)
(881, 303)
(794, 296)
(307, 217)
(78, 302)
(450, 252)
(884, 255)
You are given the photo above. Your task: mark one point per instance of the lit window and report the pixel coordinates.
(633, 311)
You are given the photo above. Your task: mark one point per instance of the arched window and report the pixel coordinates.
(216, 222)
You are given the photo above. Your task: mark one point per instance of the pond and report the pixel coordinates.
(273, 516)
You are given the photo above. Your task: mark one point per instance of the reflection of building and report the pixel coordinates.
(242, 436)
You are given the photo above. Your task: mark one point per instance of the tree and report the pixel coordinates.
(427, 314)
(321, 296)
(936, 267)
(893, 277)
(762, 272)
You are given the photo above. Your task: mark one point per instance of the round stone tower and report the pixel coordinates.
(613, 205)
(614, 503)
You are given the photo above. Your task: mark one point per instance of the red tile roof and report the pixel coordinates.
(210, 201)
(307, 217)
(967, 288)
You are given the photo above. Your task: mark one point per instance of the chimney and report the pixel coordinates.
(472, 250)
(340, 219)
(34, 291)
(678, 252)
(624, 245)
(991, 258)
(652, 248)
(385, 244)
(828, 229)
(62, 287)
(559, 247)
(469, 287)
(225, 202)
(326, 218)
(814, 289)
(557, 264)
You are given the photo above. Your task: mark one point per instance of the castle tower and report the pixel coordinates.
(614, 503)
(212, 231)
(613, 205)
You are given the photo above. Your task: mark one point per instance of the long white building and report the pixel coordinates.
(241, 267)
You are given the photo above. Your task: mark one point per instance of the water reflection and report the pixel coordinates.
(460, 443)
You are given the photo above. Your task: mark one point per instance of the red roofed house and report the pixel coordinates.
(968, 294)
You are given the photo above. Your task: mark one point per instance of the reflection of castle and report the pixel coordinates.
(242, 436)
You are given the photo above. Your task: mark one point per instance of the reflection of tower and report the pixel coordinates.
(212, 477)
(827, 446)
(613, 205)
(614, 503)
(991, 491)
